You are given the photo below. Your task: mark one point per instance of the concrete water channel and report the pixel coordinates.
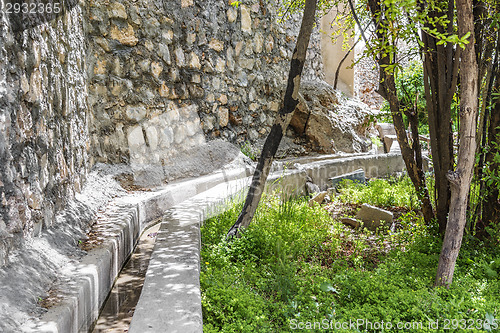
(170, 300)
(119, 308)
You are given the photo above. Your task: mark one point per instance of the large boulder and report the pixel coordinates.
(331, 121)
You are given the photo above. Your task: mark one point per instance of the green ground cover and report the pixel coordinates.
(298, 267)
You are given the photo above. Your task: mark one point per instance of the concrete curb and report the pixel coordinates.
(380, 165)
(174, 268)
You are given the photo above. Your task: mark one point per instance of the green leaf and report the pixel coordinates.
(491, 274)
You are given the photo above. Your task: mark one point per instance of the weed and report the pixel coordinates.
(249, 151)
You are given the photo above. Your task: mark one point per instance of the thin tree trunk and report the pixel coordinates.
(488, 210)
(290, 102)
(491, 214)
(387, 89)
(460, 179)
(440, 81)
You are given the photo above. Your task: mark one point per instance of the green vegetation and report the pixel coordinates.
(411, 93)
(380, 192)
(248, 151)
(296, 264)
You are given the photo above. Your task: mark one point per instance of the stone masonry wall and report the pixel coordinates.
(44, 141)
(131, 81)
(165, 76)
(366, 78)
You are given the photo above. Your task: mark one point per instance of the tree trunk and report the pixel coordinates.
(440, 81)
(491, 213)
(412, 155)
(290, 102)
(460, 179)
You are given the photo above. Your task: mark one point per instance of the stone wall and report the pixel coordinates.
(165, 76)
(366, 78)
(44, 141)
(130, 81)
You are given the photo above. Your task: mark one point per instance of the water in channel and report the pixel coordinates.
(118, 310)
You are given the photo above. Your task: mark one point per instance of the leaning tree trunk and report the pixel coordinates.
(460, 179)
(290, 102)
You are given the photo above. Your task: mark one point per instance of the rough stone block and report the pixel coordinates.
(216, 45)
(232, 14)
(192, 127)
(156, 69)
(269, 44)
(351, 222)
(152, 135)
(136, 137)
(385, 129)
(312, 188)
(195, 61)
(117, 10)
(166, 136)
(246, 20)
(126, 36)
(318, 198)
(135, 113)
(179, 56)
(259, 42)
(372, 216)
(223, 117)
(164, 53)
(180, 134)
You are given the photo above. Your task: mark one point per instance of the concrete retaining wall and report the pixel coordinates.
(381, 165)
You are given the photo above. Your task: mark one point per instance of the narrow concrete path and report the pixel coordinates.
(171, 299)
(119, 308)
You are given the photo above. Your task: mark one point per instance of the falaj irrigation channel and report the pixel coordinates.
(118, 310)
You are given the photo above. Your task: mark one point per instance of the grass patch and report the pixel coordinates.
(296, 264)
(386, 193)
